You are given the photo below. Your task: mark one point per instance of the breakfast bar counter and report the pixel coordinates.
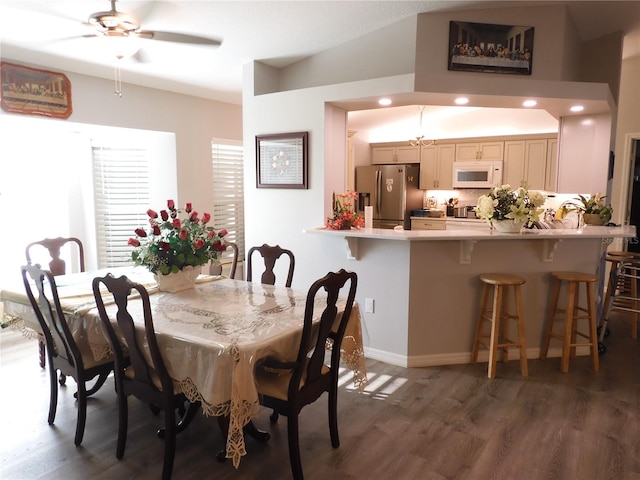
(467, 238)
(424, 287)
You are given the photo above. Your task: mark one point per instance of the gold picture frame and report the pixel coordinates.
(281, 160)
(33, 91)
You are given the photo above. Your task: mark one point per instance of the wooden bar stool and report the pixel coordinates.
(572, 313)
(496, 313)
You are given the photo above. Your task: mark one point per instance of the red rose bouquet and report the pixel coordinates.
(172, 243)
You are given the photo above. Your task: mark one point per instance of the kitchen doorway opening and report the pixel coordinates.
(634, 196)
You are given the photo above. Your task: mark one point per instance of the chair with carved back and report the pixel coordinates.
(57, 266)
(216, 268)
(287, 387)
(61, 349)
(148, 381)
(270, 254)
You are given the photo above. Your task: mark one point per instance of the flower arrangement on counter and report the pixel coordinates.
(172, 243)
(503, 203)
(344, 214)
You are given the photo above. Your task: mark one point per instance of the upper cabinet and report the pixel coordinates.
(531, 162)
(527, 159)
(436, 166)
(486, 151)
(381, 155)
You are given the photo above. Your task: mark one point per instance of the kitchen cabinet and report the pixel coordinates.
(526, 163)
(436, 166)
(398, 154)
(426, 223)
(447, 223)
(486, 151)
(466, 224)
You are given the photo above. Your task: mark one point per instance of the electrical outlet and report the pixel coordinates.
(368, 305)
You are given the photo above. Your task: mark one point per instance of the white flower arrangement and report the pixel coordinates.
(502, 203)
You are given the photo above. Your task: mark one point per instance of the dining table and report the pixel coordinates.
(211, 336)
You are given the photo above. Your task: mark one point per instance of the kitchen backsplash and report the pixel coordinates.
(469, 197)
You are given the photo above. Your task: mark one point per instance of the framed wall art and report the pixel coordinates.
(34, 92)
(281, 160)
(482, 47)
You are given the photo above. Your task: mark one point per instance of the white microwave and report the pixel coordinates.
(477, 174)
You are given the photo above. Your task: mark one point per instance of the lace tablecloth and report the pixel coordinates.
(210, 336)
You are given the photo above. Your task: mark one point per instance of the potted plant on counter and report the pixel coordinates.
(593, 208)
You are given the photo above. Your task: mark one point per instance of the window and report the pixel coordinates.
(122, 197)
(228, 191)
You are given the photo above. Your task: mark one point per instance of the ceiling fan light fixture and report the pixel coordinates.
(113, 23)
(106, 23)
(121, 46)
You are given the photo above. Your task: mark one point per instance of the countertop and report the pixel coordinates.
(476, 234)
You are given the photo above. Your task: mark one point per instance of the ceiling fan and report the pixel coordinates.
(113, 23)
(123, 28)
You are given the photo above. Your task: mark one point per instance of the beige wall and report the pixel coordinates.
(627, 128)
(279, 216)
(601, 61)
(195, 121)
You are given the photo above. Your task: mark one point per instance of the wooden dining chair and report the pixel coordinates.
(216, 268)
(134, 375)
(57, 266)
(287, 387)
(270, 254)
(62, 351)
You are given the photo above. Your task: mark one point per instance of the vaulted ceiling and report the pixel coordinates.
(50, 33)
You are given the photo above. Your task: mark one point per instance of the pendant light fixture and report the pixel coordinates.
(420, 141)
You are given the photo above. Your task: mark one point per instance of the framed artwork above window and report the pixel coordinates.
(34, 92)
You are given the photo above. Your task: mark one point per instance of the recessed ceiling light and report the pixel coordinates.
(529, 103)
(577, 108)
(461, 100)
(384, 102)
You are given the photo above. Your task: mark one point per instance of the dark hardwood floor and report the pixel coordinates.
(420, 423)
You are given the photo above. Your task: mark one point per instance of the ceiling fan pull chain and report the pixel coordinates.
(118, 80)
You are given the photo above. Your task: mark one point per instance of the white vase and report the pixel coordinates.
(507, 226)
(181, 280)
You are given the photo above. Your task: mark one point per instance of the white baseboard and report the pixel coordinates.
(456, 358)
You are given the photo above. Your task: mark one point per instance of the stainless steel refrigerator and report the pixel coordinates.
(393, 192)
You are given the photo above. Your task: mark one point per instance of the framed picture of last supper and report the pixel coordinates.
(34, 92)
(482, 47)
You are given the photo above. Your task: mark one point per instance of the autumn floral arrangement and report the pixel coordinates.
(172, 243)
(344, 214)
(502, 203)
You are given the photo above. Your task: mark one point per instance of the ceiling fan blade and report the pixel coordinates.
(178, 38)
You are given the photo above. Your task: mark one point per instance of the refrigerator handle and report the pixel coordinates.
(378, 190)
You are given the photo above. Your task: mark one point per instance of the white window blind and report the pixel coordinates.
(228, 192)
(122, 197)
